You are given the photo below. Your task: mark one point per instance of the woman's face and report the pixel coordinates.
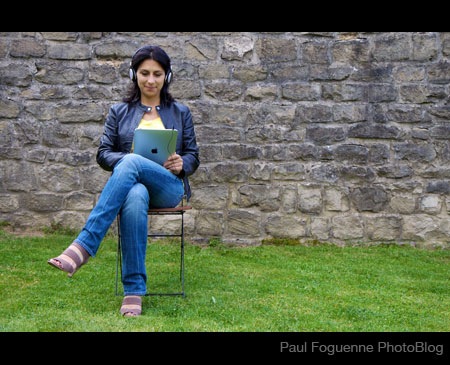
(150, 79)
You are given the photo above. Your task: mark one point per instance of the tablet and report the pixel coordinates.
(155, 144)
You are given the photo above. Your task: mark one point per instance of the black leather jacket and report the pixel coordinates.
(123, 119)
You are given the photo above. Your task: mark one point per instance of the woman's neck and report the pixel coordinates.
(151, 102)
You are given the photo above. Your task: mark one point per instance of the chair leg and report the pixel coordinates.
(182, 264)
(182, 256)
(118, 256)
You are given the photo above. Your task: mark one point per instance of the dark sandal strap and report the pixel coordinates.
(132, 305)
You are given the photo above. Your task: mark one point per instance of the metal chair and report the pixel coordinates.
(180, 211)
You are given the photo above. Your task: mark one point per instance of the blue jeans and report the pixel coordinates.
(135, 185)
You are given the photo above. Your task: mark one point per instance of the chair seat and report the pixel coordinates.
(178, 209)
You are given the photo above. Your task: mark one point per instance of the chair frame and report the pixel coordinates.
(179, 210)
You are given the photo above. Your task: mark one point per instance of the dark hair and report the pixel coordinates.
(149, 53)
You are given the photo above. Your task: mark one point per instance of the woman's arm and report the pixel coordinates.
(108, 153)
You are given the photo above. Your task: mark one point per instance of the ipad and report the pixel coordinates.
(155, 144)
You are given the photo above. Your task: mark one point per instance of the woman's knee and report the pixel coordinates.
(130, 160)
(138, 196)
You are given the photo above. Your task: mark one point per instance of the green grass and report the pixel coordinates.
(269, 288)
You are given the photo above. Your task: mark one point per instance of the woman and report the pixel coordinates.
(137, 183)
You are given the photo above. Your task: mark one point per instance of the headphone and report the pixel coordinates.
(132, 72)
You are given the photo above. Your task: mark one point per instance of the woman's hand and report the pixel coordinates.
(174, 163)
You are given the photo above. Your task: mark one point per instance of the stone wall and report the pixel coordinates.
(336, 137)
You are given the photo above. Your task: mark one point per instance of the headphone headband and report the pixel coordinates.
(132, 72)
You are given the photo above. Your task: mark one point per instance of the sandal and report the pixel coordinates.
(71, 259)
(131, 306)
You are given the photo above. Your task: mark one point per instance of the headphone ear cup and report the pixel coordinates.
(169, 76)
(132, 74)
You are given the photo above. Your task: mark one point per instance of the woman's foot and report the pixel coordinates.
(71, 259)
(131, 306)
